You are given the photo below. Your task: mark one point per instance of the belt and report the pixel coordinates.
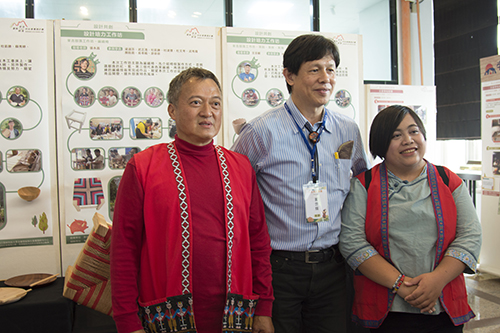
(309, 257)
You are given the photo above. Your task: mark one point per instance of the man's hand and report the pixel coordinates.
(262, 324)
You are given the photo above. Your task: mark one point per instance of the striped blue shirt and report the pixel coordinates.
(282, 163)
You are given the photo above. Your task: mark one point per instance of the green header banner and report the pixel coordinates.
(259, 40)
(102, 34)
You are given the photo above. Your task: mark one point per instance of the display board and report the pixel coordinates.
(490, 179)
(112, 83)
(421, 99)
(253, 74)
(29, 228)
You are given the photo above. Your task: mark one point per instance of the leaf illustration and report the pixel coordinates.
(43, 225)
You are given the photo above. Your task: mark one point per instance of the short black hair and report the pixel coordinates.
(306, 48)
(174, 90)
(385, 123)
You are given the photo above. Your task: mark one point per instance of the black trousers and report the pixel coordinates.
(309, 297)
(418, 323)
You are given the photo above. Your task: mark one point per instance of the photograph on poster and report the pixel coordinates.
(24, 160)
(495, 130)
(172, 128)
(343, 98)
(274, 97)
(119, 156)
(11, 128)
(88, 193)
(131, 96)
(154, 97)
(87, 159)
(84, 97)
(145, 128)
(496, 163)
(84, 68)
(18, 96)
(3, 215)
(250, 97)
(113, 188)
(106, 128)
(246, 72)
(108, 96)
(420, 110)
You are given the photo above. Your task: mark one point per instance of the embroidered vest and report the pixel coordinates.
(372, 301)
(169, 271)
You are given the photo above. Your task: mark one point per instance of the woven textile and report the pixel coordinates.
(87, 282)
(88, 192)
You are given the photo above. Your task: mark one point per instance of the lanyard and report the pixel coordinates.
(312, 150)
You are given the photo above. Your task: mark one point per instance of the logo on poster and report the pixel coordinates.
(22, 26)
(195, 33)
(339, 40)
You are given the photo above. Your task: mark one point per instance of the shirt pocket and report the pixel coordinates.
(339, 175)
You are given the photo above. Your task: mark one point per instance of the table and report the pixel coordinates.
(44, 309)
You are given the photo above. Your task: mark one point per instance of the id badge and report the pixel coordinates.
(316, 200)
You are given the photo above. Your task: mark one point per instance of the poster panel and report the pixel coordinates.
(421, 99)
(253, 75)
(28, 205)
(112, 84)
(490, 181)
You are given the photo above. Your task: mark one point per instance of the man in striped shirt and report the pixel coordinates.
(303, 155)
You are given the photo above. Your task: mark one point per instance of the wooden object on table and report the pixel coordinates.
(30, 280)
(11, 295)
(43, 281)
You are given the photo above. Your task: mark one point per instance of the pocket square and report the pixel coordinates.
(345, 150)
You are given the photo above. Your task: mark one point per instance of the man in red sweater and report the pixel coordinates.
(189, 232)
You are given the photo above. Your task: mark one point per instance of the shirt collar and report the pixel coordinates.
(301, 120)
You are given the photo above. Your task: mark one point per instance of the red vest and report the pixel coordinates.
(167, 273)
(372, 301)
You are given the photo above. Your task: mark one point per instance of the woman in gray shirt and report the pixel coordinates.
(409, 231)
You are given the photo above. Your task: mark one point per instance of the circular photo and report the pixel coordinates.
(108, 97)
(274, 97)
(250, 97)
(84, 68)
(154, 97)
(246, 72)
(343, 98)
(18, 96)
(11, 128)
(131, 96)
(84, 97)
